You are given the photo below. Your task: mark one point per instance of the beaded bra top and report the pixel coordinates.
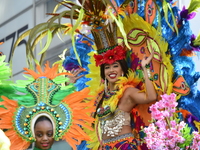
(112, 123)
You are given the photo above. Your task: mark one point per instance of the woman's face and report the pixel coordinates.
(44, 134)
(113, 71)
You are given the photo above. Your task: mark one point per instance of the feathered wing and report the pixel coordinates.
(6, 122)
(80, 111)
(142, 38)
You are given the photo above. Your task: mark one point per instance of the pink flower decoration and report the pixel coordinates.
(165, 132)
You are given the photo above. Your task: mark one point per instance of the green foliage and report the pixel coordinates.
(196, 42)
(187, 136)
(194, 5)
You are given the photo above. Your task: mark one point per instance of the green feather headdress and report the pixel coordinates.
(42, 95)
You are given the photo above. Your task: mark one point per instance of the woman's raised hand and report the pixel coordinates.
(75, 77)
(146, 60)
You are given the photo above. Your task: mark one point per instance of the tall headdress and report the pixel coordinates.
(107, 47)
(45, 97)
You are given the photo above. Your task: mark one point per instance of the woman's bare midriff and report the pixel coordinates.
(126, 129)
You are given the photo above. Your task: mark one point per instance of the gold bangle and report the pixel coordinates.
(149, 74)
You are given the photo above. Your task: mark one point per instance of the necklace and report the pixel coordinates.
(110, 94)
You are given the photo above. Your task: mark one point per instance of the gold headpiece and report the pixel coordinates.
(105, 38)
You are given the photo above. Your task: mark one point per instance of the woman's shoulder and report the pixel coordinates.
(130, 90)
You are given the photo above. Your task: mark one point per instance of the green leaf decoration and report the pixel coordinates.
(119, 23)
(49, 39)
(173, 18)
(166, 7)
(35, 35)
(196, 42)
(194, 5)
(80, 18)
(187, 136)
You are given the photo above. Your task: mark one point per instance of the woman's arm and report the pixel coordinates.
(150, 95)
(150, 89)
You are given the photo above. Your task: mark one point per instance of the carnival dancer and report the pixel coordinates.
(43, 96)
(117, 98)
(115, 102)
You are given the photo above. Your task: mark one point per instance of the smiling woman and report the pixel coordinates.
(43, 131)
(115, 103)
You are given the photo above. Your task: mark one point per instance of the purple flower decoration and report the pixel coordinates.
(170, 1)
(194, 48)
(186, 15)
(191, 118)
